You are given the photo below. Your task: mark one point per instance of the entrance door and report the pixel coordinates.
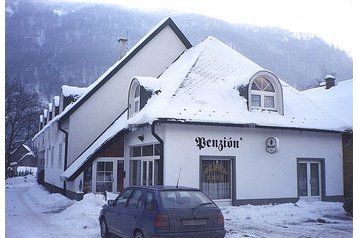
(309, 180)
(109, 175)
(147, 172)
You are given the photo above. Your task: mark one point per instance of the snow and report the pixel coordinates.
(31, 211)
(24, 169)
(201, 86)
(72, 91)
(337, 99)
(56, 100)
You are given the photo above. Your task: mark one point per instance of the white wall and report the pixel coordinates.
(259, 175)
(50, 140)
(103, 107)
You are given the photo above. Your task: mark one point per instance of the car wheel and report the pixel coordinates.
(138, 234)
(104, 229)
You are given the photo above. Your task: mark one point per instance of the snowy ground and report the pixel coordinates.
(32, 212)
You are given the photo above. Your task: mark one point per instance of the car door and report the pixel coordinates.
(113, 215)
(130, 214)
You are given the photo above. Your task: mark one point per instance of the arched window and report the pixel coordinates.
(265, 93)
(134, 98)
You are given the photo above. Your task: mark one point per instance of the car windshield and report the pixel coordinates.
(184, 199)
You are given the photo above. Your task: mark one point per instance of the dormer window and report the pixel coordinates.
(140, 91)
(134, 98)
(265, 93)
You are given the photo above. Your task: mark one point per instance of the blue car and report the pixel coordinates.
(162, 211)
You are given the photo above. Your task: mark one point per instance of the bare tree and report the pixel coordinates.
(22, 110)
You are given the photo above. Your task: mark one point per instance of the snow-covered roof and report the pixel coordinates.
(337, 99)
(56, 100)
(201, 86)
(72, 90)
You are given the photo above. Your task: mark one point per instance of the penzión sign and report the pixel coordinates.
(220, 145)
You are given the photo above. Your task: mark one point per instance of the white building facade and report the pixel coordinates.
(203, 116)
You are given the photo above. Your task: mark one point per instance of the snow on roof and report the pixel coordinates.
(56, 100)
(117, 126)
(337, 99)
(72, 90)
(330, 76)
(28, 149)
(149, 83)
(201, 86)
(41, 118)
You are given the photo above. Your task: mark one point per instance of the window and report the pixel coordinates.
(52, 155)
(147, 150)
(216, 176)
(134, 201)
(60, 155)
(134, 98)
(265, 93)
(149, 201)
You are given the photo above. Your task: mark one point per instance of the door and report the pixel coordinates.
(104, 176)
(108, 175)
(309, 180)
(143, 172)
(147, 172)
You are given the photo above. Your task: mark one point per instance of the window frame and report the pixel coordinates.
(277, 94)
(134, 98)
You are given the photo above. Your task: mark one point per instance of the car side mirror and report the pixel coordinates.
(111, 203)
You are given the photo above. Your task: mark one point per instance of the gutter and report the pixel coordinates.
(161, 156)
(65, 160)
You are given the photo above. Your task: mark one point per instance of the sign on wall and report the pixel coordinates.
(272, 145)
(220, 145)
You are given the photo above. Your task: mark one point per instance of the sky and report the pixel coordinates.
(331, 20)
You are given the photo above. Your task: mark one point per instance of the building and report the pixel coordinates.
(204, 116)
(337, 98)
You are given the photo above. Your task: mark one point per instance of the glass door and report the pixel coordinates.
(108, 175)
(104, 176)
(147, 172)
(309, 181)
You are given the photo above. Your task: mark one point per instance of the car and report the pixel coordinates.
(161, 211)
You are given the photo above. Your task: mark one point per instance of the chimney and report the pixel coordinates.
(122, 46)
(330, 81)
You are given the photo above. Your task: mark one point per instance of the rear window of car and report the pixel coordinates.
(184, 199)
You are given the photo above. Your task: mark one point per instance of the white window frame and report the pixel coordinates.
(133, 100)
(277, 94)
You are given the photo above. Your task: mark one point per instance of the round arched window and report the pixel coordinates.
(265, 92)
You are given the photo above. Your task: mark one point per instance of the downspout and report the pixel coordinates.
(161, 156)
(65, 160)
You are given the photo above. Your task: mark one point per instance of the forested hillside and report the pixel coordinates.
(51, 44)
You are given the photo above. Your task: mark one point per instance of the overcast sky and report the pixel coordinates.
(331, 20)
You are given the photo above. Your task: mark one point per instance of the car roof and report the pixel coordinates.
(164, 188)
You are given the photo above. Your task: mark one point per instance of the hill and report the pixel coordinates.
(51, 44)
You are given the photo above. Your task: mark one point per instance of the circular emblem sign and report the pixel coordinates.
(272, 145)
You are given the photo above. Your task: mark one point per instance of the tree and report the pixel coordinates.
(22, 110)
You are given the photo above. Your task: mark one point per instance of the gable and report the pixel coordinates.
(168, 22)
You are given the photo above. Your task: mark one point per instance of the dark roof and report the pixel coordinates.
(168, 22)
